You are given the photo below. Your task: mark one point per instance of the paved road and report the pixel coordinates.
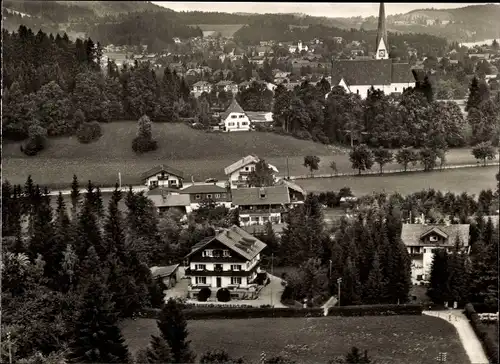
(468, 337)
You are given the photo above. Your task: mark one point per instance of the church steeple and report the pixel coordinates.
(382, 47)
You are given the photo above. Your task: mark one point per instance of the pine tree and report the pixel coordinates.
(98, 203)
(113, 227)
(97, 338)
(474, 98)
(373, 289)
(173, 329)
(89, 234)
(438, 289)
(75, 197)
(458, 273)
(350, 286)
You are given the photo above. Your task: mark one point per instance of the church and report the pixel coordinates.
(359, 75)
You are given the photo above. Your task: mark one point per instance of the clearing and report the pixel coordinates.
(196, 153)
(389, 340)
(226, 30)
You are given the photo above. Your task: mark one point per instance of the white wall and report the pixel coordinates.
(164, 182)
(236, 124)
(225, 281)
(362, 90)
(260, 217)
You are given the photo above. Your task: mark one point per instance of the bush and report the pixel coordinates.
(489, 343)
(302, 134)
(223, 295)
(375, 310)
(204, 294)
(142, 144)
(88, 132)
(33, 146)
(261, 278)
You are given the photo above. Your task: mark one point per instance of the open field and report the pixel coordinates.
(196, 153)
(470, 180)
(389, 340)
(226, 30)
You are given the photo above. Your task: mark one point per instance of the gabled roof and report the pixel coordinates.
(292, 186)
(362, 72)
(434, 230)
(161, 190)
(233, 107)
(162, 168)
(236, 239)
(164, 271)
(170, 200)
(241, 163)
(401, 73)
(203, 188)
(412, 233)
(275, 195)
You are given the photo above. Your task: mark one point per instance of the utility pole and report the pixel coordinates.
(330, 269)
(272, 273)
(339, 281)
(120, 179)
(10, 347)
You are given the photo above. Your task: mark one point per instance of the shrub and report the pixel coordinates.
(204, 294)
(490, 344)
(37, 139)
(142, 144)
(88, 132)
(302, 134)
(223, 295)
(375, 310)
(261, 278)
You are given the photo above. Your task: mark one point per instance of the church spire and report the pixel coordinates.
(382, 47)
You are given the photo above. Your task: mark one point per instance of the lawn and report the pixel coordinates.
(470, 180)
(226, 30)
(389, 340)
(196, 153)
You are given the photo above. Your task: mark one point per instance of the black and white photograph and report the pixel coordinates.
(249, 182)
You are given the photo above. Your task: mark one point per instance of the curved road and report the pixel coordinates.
(468, 337)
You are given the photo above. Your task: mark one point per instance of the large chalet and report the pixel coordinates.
(237, 173)
(229, 260)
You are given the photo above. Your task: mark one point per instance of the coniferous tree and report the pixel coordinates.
(438, 289)
(75, 196)
(474, 98)
(374, 288)
(458, 273)
(97, 337)
(173, 329)
(159, 351)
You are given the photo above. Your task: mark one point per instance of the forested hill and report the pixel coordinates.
(470, 23)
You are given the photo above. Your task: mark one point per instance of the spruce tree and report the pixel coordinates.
(373, 289)
(350, 286)
(113, 227)
(97, 337)
(159, 351)
(438, 289)
(75, 197)
(458, 273)
(474, 98)
(173, 329)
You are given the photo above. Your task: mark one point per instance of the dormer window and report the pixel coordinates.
(433, 238)
(262, 193)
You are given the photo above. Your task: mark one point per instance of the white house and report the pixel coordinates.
(235, 118)
(237, 173)
(201, 86)
(163, 176)
(421, 240)
(299, 48)
(229, 260)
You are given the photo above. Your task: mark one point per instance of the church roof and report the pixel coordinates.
(381, 29)
(362, 72)
(401, 73)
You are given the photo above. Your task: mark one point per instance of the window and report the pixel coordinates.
(244, 219)
(265, 218)
(275, 219)
(209, 196)
(200, 266)
(419, 277)
(243, 123)
(235, 280)
(207, 253)
(246, 168)
(433, 238)
(198, 197)
(201, 280)
(217, 195)
(225, 253)
(173, 182)
(153, 183)
(236, 267)
(425, 250)
(255, 219)
(224, 195)
(241, 116)
(217, 253)
(395, 88)
(234, 116)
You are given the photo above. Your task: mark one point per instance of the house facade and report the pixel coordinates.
(228, 86)
(235, 118)
(422, 240)
(260, 205)
(230, 259)
(163, 176)
(237, 173)
(200, 194)
(201, 86)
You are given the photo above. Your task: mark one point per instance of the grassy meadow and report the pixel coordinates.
(389, 340)
(203, 155)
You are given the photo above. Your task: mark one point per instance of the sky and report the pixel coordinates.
(331, 10)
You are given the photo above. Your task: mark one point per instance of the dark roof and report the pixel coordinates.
(411, 233)
(401, 73)
(170, 200)
(235, 239)
(162, 168)
(164, 271)
(362, 72)
(274, 195)
(203, 188)
(233, 107)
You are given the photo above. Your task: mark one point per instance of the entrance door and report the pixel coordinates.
(219, 282)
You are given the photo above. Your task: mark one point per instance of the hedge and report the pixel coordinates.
(375, 310)
(489, 343)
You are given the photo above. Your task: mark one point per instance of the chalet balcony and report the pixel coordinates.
(261, 211)
(416, 255)
(220, 273)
